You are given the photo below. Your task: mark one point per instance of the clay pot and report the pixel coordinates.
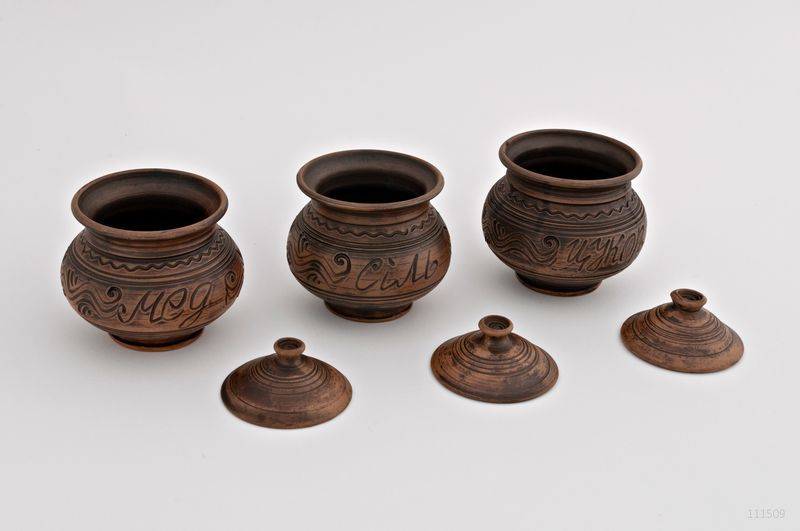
(369, 243)
(152, 267)
(564, 217)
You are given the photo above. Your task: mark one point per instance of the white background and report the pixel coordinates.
(98, 437)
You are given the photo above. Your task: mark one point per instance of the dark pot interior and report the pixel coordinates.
(570, 155)
(369, 177)
(365, 186)
(148, 213)
(570, 164)
(149, 200)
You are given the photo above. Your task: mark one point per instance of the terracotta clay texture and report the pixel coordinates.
(151, 267)
(287, 389)
(494, 365)
(682, 336)
(564, 217)
(369, 243)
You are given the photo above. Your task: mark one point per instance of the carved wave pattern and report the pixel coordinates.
(517, 246)
(306, 266)
(89, 302)
(92, 255)
(347, 229)
(233, 284)
(515, 197)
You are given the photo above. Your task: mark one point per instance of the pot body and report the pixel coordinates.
(154, 300)
(368, 266)
(564, 237)
(152, 267)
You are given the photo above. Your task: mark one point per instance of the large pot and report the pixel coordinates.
(564, 217)
(369, 243)
(151, 267)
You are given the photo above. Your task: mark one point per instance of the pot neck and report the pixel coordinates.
(151, 247)
(374, 216)
(574, 195)
(569, 166)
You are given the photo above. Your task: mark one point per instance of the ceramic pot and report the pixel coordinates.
(565, 217)
(369, 243)
(151, 267)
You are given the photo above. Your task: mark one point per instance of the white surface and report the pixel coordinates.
(98, 437)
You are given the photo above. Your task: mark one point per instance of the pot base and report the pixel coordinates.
(559, 291)
(368, 315)
(172, 344)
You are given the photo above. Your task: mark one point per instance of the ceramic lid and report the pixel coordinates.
(286, 389)
(682, 335)
(493, 365)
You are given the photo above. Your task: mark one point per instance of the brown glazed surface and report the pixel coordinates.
(151, 267)
(369, 243)
(286, 389)
(564, 217)
(682, 336)
(493, 365)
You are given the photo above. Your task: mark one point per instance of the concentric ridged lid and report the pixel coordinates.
(682, 335)
(493, 365)
(287, 389)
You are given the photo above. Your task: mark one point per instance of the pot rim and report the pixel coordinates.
(166, 234)
(562, 182)
(308, 167)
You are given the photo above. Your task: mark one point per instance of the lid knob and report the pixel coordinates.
(688, 300)
(496, 329)
(495, 325)
(288, 351)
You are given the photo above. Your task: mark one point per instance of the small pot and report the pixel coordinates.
(564, 217)
(369, 243)
(152, 267)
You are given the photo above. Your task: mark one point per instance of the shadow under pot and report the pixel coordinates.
(565, 217)
(151, 267)
(369, 243)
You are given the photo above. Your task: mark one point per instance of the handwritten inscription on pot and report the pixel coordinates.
(185, 305)
(349, 272)
(166, 306)
(385, 273)
(593, 254)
